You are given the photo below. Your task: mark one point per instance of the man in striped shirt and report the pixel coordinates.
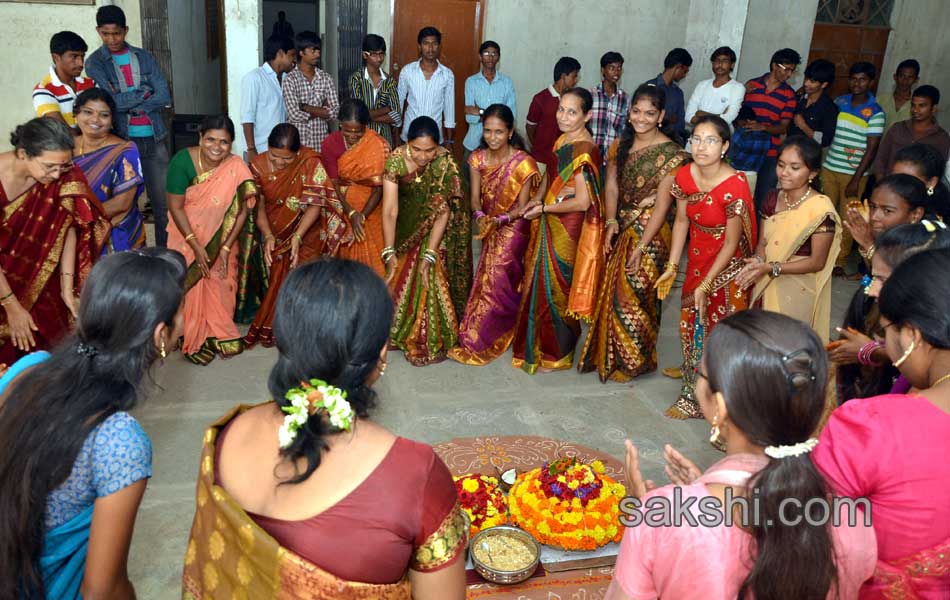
(53, 96)
(376, 89)
(427, 87)
(857, 134)
(310, 94)
(773, 102)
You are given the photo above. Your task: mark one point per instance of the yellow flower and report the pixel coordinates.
(598, 467)
(562, 479)
(574, 484)
(470, 485)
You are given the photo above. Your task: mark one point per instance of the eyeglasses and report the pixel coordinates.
(788, 68)
(490, 54)
(59, 169)
(709, 141)
(377, 53)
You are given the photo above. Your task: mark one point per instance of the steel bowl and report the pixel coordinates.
(496, 575)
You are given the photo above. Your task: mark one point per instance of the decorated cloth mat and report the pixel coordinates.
(495, 455)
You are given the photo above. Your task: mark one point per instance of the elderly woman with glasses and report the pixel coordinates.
(714, 206)
(52, 228)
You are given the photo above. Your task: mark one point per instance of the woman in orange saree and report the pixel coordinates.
(52, 229)
(355, 158)
(714, 207)
(295, 192)
(504, 177)
(565, 255)
(209, 193)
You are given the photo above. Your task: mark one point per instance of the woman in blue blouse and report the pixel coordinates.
(74, 462)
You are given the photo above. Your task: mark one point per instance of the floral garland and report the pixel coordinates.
(568, 504)
(483, 501)
(306, 400)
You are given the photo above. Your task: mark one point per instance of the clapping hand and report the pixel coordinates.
(636, 485)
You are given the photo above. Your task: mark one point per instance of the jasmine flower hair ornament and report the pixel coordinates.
(309, 398)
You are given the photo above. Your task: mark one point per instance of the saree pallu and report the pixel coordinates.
(708, 213)
(361, 170)
(63, 561)
(111, 171)
(806, 297)
(487, 327)
(562, 267)
(622, 340)
(922, 576)
(425, 324)
(213, 203)
(231, 556)
(33, 231)
(285, 197)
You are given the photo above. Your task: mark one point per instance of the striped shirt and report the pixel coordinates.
(434, 97)
(385, 96)
(855, 125)
(52, 95)
(772, 107)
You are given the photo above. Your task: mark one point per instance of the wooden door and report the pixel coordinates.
(845, 45)
(460, 22)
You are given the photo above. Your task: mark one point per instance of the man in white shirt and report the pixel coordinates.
(721, 95)
(427, 87)
(262, 103)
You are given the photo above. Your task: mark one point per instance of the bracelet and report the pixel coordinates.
(349, 215)
(610, 222)
(387, 253)
(298, 237)
(869, 253)
(706, 286)
(226, 248)
(3, 300)
(190, 237)
(62, 273)
(429, 256)
(776, 269)
(866, 354)
(643, 248)
(503, 219)
(478, 214)
(672, 267)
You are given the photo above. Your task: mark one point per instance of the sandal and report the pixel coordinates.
(673, 372)
(684, 409)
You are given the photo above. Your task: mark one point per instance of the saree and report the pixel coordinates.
(285, 197)
(213, 202)
(562, 266)
(487, 327)
(921, 576)
(111, 171)
(63, 561)
(622, 339)
(360, 173)
(707, 213)
(230, 556)
(33, 231)
(425, 324)
(805, 297)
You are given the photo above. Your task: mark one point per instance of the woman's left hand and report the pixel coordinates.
(424, 273)
(750, 273)
(223, 259)
(533, 210)
(700, 299)
(636, 485)
(71, 302)
(859, 228)
(294, 250)
(356, 222)
(847, 353)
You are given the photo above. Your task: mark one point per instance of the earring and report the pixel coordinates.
(930, 191)
(722, 155)
(810, 179)
(907, 353)
(714, 432)
(161, 350)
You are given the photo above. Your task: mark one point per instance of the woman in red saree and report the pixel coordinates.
(355, 157)
(289, 494)
(504, 177)
(565, 255)
(52, 228)
(295, 193)
(714, 206)
(209, 193)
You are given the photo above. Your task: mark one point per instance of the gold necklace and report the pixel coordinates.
(201, 168)
(789, 205)
(939, 381)
(82, 145)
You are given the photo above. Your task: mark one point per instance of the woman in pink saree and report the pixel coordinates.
(209, 193)
(504, 177)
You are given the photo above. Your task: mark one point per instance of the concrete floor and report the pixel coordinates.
(431, 404)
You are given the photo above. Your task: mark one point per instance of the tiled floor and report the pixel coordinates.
(431, 404)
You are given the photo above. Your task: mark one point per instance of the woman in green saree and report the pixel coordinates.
(428, 251)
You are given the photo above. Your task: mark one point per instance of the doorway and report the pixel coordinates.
(460, 22)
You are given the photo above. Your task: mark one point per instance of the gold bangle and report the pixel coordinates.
(299, 237)
(706, 286)
(64, 273)
(226, 248)
(350, 214)
(190, 237)
(672, 267)
(610, 222)
(643, 247)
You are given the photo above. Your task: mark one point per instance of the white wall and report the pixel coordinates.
(712, 26)
(195, 79)
(533, 34)
(303, 16)
(772, 25)
(25, 30)
(919, 31)
(243, 40)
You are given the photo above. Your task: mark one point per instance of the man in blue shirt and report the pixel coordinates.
(675, 68)
(483, 89)
(262, 101)
(133, 78)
